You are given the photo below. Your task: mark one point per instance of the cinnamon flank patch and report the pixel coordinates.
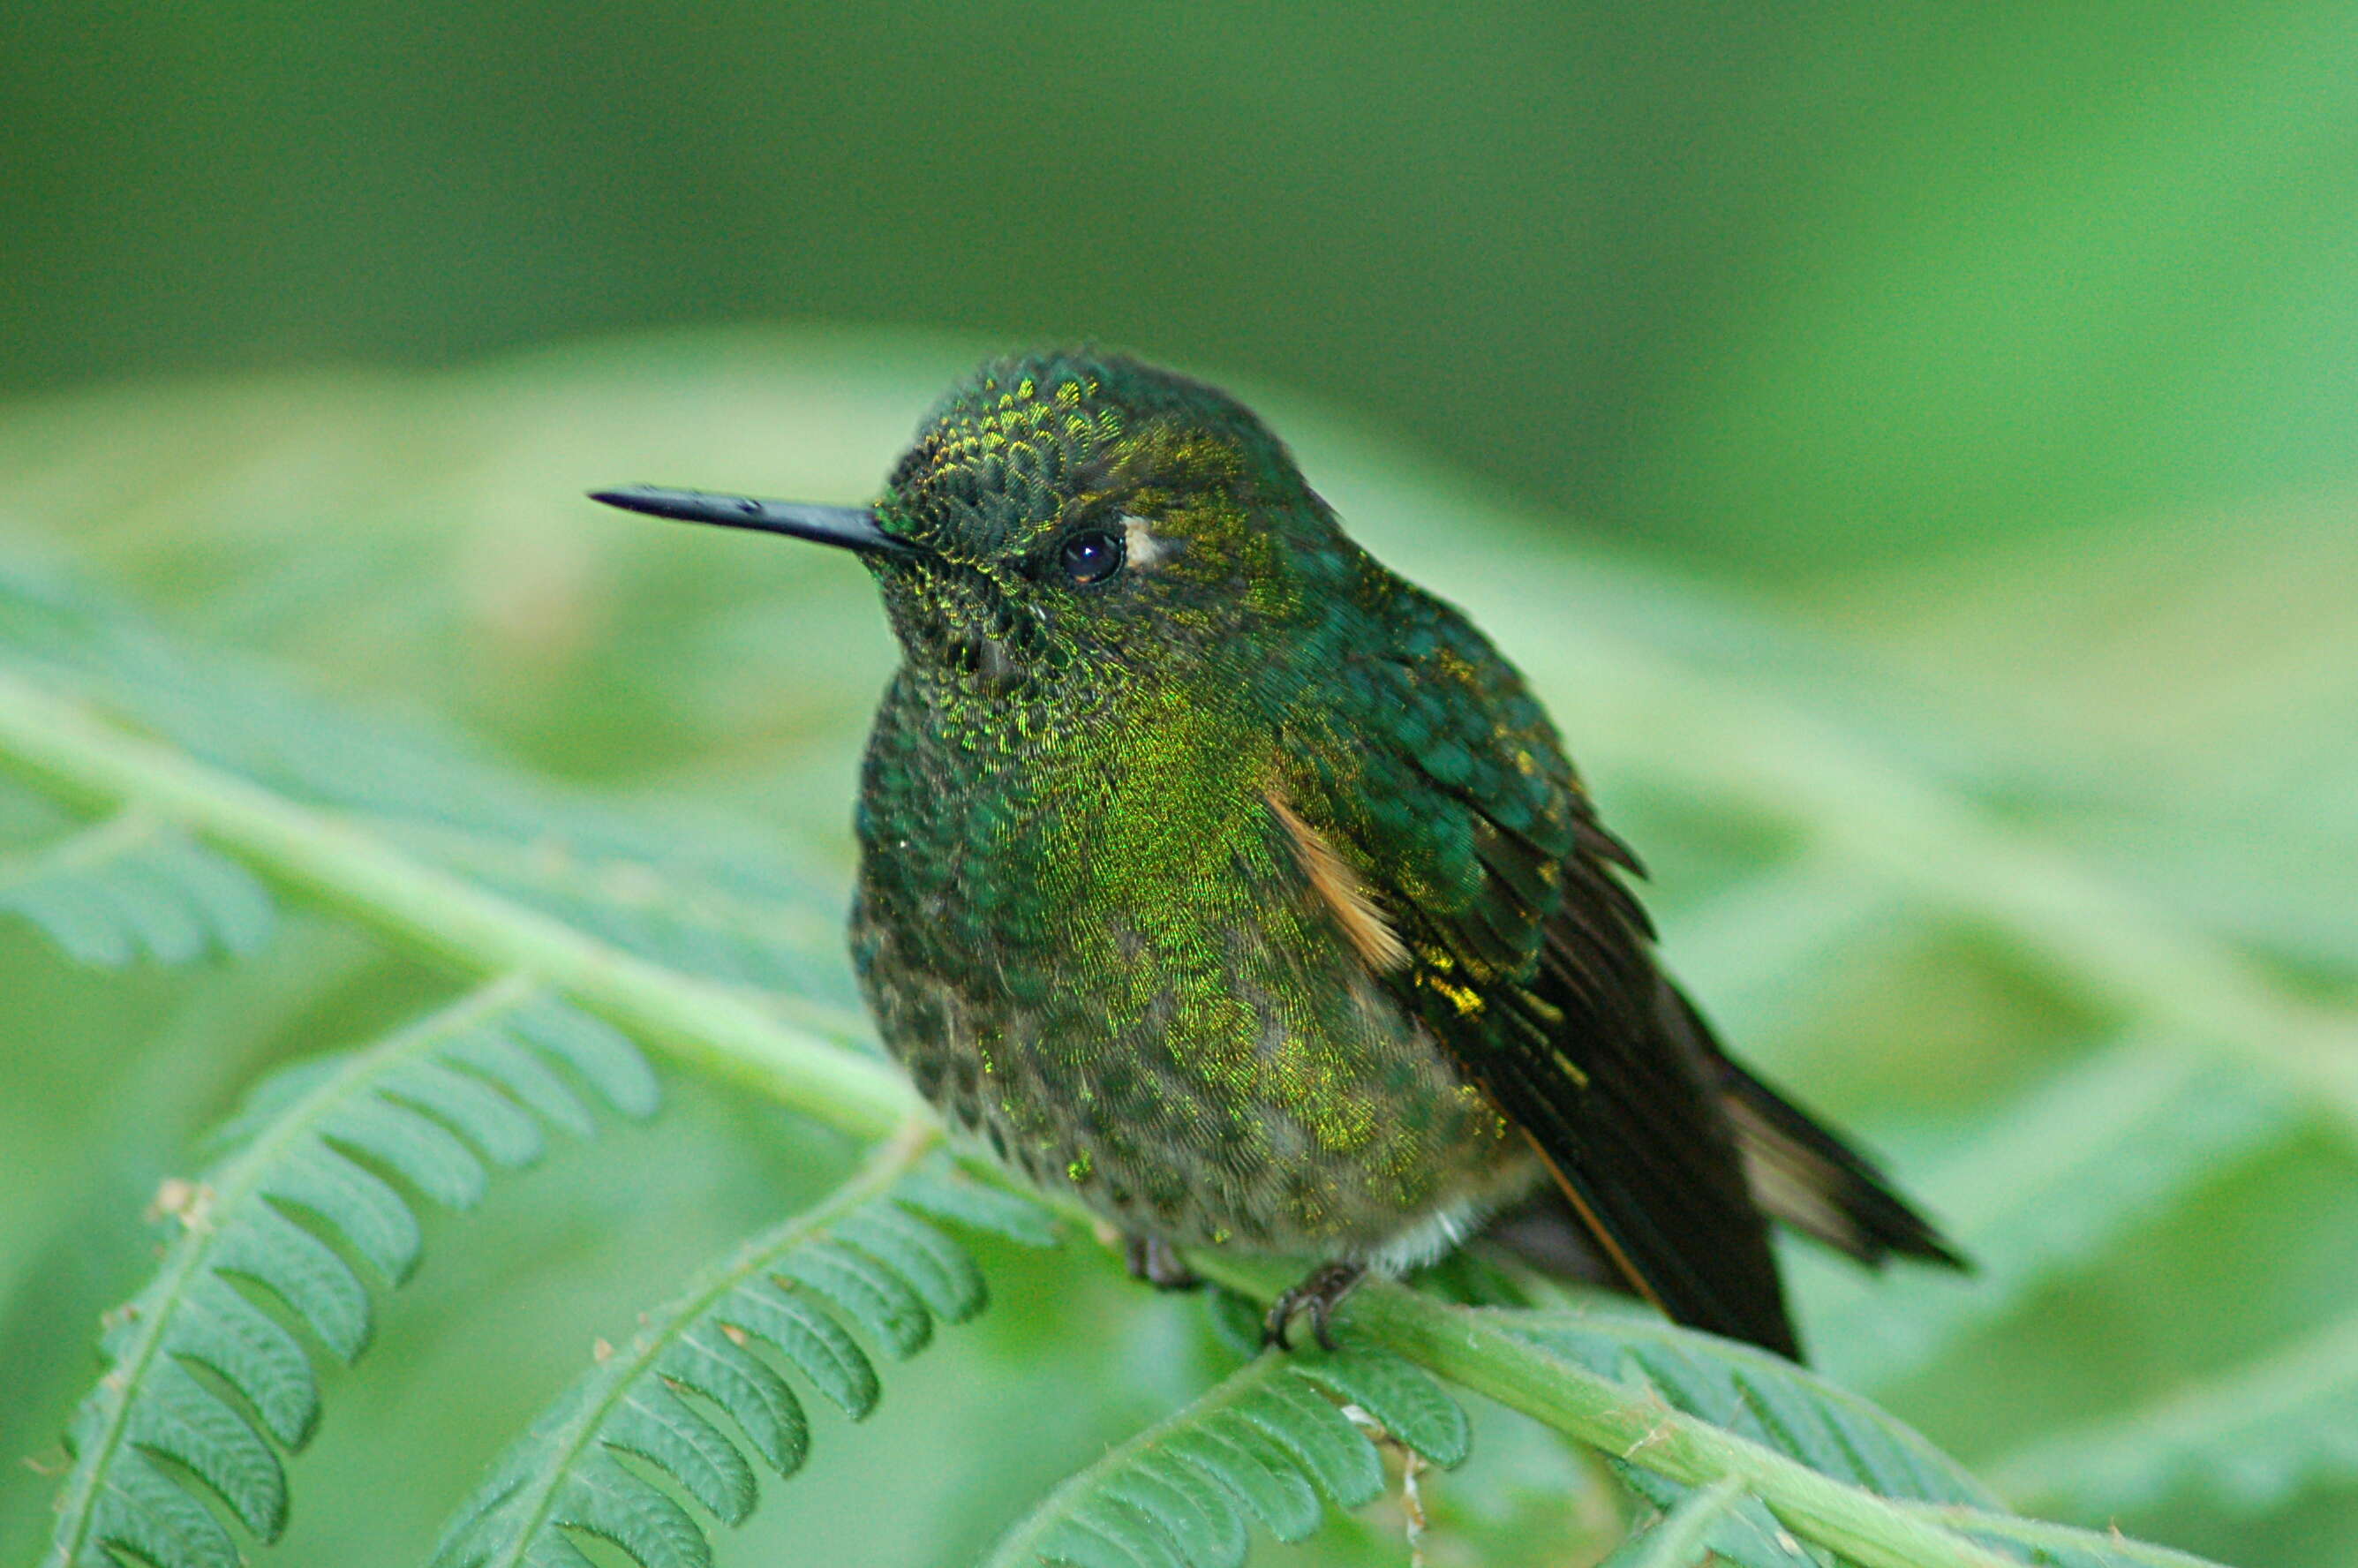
(1344, 895)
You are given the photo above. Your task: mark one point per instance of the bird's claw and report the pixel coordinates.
(1158, 1263)
(1319, 1293)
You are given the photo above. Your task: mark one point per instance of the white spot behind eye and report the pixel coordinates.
(1141, 548)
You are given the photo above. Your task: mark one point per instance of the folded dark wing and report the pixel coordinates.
(1532, 963)
(1594, 1070)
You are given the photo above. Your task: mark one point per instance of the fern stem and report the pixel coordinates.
(1474, 1348)
(625, 1365)
(233, 1185)
(1020, 1546)
(721, 1030)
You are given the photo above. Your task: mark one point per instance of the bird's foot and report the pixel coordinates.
(1158, 1263)
(1318, 1294)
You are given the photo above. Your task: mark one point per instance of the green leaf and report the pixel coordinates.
(1104, 1531)
(1318, 1437)
(131, 887)
(1406, 1402)
(1181, 1491)
(944, 1194)
(591, 1047)
(1745, 1533)
(655, 1423)
(178, 1418)
(701, 1352)
(803, 1331)
(1192, 1510)
(249, 1218)
(706, 1359)
(938, 1270)
(1761, 1396)
(277, 818)
(302, 1270)
(1259, 1477)
(867, 1290)
(723, 905)
(1681, 1538)
(1553, 1367)
(1235, 1434)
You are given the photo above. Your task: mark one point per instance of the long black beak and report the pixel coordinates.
(854, 527)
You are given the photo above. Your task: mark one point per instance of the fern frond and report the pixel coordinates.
(716, 901)
(941, 1192)
(2247, 1438)
(744, 919)
(1744, 1534)
(131, 887)
(861, 1259)
(721, 1029)
(1764, 1398)
(205, 1376)
(1683, 1536)
(1624, 1386)
(1262, 1443)
(2103, 1147)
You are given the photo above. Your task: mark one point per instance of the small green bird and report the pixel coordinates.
(1217, 876)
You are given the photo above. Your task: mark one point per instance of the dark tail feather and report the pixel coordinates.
(1800, 1172)
(1814, 1182)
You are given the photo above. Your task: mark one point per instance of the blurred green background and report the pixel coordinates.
(1775, 286)
(1911, 448)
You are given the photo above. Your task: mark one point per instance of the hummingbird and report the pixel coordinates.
(1214, 874)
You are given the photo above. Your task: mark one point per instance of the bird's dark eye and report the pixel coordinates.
(1092, 556)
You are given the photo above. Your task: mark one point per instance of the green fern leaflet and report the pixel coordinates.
(430, 1107)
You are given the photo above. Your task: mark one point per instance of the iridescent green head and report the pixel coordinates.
(1066, 509)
